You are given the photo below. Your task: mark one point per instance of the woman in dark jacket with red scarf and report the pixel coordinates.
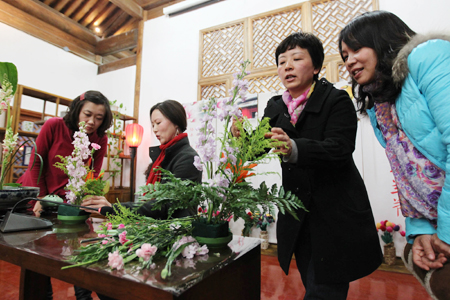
(175, 154)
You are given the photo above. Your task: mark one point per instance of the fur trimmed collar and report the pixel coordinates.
(400, 68)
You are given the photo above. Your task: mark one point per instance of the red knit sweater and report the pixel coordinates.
(55, 138)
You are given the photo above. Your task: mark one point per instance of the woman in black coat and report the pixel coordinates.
(336, 241)
(174, 154)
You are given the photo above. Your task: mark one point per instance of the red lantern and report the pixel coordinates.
(133, 134)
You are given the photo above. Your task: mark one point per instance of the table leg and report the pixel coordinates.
(33, 285)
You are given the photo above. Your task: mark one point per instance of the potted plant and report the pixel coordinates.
(264, 221)
(250, 221)
(10, 193)
(81, 177)
(388, 228)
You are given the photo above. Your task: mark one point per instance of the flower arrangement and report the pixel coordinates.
(264, 221)
(226, 193)
(388, 228)
(142, 239)
(223, 196)
(250, 220)
(8, 87)
(81, 177)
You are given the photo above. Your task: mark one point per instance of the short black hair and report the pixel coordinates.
(72, 117)
(306, 41)
(173, 111)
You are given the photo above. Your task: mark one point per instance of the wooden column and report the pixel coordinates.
(137, 86)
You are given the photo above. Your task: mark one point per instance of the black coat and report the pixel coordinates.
(344, 239)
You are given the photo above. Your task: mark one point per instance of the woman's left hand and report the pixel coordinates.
(440, 246)
(281, 136)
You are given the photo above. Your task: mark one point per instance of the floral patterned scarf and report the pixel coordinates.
(419, 181)
(296, 106)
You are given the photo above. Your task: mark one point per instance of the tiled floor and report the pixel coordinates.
(381, 285)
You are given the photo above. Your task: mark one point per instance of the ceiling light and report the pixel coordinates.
(186, 6)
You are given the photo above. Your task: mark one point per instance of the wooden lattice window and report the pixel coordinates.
(218, 90)
(256, 38)
(264, 84)
(330, 16)
(223, 49)
(269, 31)
(343, 73)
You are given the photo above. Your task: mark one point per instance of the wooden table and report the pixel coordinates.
(231, 273)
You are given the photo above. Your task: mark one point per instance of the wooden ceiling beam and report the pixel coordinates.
(130, 7)
(60, 5)
(73, 7)
(98, 21)
(50, 16)
(117, 12)
(131, 24)
(117, 43)
(95, 11)
(116, 24)
(149, 4)
(27, 23)
(116, 65)
(85, 8)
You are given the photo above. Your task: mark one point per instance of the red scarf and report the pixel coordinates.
(156, 176)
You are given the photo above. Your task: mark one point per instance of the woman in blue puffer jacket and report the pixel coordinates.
(402, 81)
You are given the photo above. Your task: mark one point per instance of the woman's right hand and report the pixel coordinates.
(95, 202)
(37, 209)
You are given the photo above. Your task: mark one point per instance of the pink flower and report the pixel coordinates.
(95, 146)
(104, 242)
(101, 235)
(115, 261)
(203, 250)
(146, 251)
(121, 226)
(123, 237)
(109, 226)
(189, 251)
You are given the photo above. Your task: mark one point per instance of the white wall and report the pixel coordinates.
(48, 68)
(170, 71)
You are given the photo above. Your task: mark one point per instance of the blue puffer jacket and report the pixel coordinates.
(423, 108)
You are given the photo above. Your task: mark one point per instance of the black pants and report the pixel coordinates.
(82, 294)
(305, 265)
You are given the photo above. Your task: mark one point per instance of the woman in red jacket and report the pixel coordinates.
(56, 137)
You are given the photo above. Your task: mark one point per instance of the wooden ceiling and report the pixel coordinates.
(105, 32)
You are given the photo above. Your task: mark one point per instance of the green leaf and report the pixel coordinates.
(10, 70)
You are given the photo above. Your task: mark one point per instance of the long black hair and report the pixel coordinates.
(73, 114)
(386, 34)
